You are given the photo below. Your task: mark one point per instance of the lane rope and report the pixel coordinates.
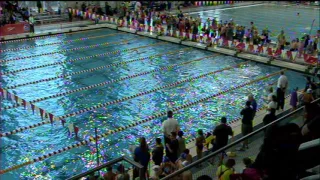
(61, 42)
(123, 99)
(98, 68)
(92, 139)
(69, 50)
(81, 58)
(108, 82)
(46, 36)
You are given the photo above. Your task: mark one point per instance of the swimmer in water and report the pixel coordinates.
(298, 14)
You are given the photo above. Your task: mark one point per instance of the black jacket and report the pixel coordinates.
(247, 114)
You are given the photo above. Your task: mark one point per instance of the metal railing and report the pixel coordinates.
(221, 151)
(108, 164)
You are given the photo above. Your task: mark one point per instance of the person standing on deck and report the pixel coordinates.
(31, 22)
(246, 126)
(253, 104)
(168, 126)
(281, 89)
(157, 153)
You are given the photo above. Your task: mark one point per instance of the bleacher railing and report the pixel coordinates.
(208, 165)
(123, 160)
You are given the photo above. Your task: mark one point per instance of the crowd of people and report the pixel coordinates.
(214, 29)
(276, 160)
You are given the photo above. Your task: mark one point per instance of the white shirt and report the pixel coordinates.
(272, 105)
(270, 97)
(137, 6)
(169, 125)
(282, 82)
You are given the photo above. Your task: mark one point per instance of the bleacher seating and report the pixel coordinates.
(49, 18)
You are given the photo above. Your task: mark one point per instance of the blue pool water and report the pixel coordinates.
(28, 144)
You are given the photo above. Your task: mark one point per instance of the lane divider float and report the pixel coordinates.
(150, 118)
(46, 36)
(124, 99)
(81, 58)
(97, 68)
(61, 42)
(69, 50)
(109, 82)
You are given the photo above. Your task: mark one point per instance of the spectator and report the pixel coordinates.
(142, 155)
(122, 175)
(222, 133)
(167, 167)
(270, 117)
(186, 175)
(310, 85)
(168, 126)
(224, 171)
(182, 143)
(271, 93)
(281, 89)
(186, 156)
(76, 6)
(200, 140)
(39, 5)
(70, 14)
(84, 7)
(294, 99)
(156, 172)
(253, 104)
(280, 36)
(157, 153)
(312, 128)
(273, 104)
(137, 6)
(109, 175)
(31, 22)
(173, 147)
(307, 97)
(250, 173)
(92, 177)
(246, 127)
(278, 154)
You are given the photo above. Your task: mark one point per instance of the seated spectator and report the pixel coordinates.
(278, 153)
(122, 175)
(225, 170)
(109, 175)
(311, 130)
(250, 173)
(167, 167)
(186, 175)
(186, 156)
(155, 173)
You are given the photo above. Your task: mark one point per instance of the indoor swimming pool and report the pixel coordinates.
(109, 79)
